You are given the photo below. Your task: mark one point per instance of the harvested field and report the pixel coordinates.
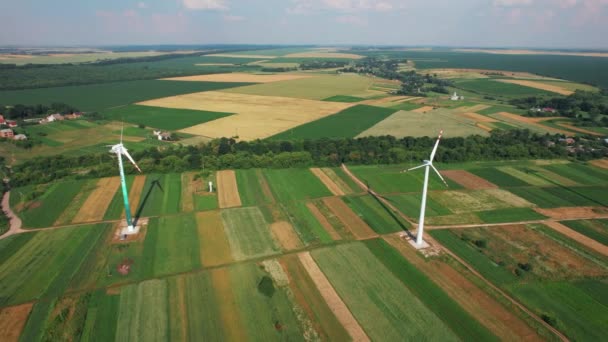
(501, 321)
(473, 109)
(98, 201)
(329, 183)
(239, 77)
(248, 233)
(468, 180)
(484, 127)
(386, 101)
(509, 198)
(188, 190)
(323, 55)
(540, 85)
(214, 245)
(578, 237)
(228, 191)
(333, 300)
(412, 123)
(602, 163)
(241, 56)
(341, 180)
(12, 321)
(574, 212)
(478, 117)
(256, 116)
(533, 122)
(323, 221)
(423, 109)
(354, 223)
(286, 235)
(229, 310)
(481, 73)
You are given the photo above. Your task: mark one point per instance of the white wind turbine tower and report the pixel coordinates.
(120, 150)
(427, 164)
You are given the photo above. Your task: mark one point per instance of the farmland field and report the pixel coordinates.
(87, 97)
(595, 229)
(248, 233)
(161, 195)
(495, 88)
(290, 184)
(380, 218)
(345, 124)
(384, 307)
(163, 118)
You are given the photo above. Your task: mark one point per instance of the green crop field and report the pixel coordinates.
(45, 263)
(250, 187)
(295, 184)
(552, 197)
(344, 98)
(492, 271)
(501, 108)
(97, 97)
(260, 312)
(390, 179)
(379, 217)
(116, 207)
(248, 233)
(406, 106)
(345, 124)
(143, 312)
(384, 307)
(307, 226)
(582, 174)
(497, 88)
(163, 118)
(45, 210)
(314, 88)
(171, 245)
(509, 215)
(161, 195)
(409, 204)
(498, 177)
(452, 314)
(580, 316)
(595, 229)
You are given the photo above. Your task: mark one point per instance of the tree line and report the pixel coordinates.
(227, 153)
(21, 111)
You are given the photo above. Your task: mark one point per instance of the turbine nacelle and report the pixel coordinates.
(119, 149)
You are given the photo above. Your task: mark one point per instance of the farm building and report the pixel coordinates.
(2, 121)
(456, 97)
(11, 123)
(20, 137)
(163, 135)
(6, 133)
(73, 116)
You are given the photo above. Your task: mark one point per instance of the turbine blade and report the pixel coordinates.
(436, 145)
(439, 174)
(414, 168)
(126, 153)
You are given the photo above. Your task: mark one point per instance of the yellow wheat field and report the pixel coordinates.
(239, 77)
(256, 116)
(542, 86)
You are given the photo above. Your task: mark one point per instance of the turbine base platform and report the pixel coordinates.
(412, 241)
(124, 233)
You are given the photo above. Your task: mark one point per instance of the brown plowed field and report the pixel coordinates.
(573, 212)
(333, 187)
(98, 201)
(484, 127)
(478, 117)
(542, 86)
(423, 109)
(603, 163)
(227, 189)
(489, 312)
(582, 239)
(333, 300)
(238, 77)
(285, 235)
(354, 223)
(229, 312)
(578, 129)
(323, 221)
(215, 248)
(135, 192)
(339, 181)
(188, 189)
(12, 320)
(468, 180)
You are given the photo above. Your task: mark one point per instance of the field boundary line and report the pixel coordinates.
(331, 297)
(578, 237)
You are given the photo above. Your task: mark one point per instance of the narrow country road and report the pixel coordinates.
(15, 221)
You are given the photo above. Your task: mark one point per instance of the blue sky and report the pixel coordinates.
(491, 23)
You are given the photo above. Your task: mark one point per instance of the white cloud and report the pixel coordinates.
(352, 20)
(142, 5)
(346, 6)
(218, 5)
(512, 3)
(232, 18)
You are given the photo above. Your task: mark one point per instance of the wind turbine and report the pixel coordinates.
(427, 164)
(120, 150)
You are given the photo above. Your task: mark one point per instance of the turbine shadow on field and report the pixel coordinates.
(393, 216)
(145, 200)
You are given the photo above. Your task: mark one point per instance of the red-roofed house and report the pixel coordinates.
(6, 133)
(11, 123)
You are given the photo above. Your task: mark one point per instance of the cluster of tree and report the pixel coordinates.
(229, 154)
(321, 64)
(269, 69)
(416, 84)
(384, 68)
(124, 60)
(587, 108)
(20, 111)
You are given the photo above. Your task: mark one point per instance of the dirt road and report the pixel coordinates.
(15, 221)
